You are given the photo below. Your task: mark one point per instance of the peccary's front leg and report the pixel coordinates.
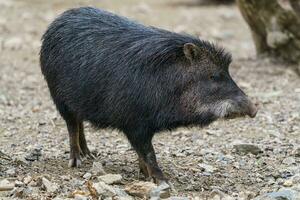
(75, 160)
(142, 144)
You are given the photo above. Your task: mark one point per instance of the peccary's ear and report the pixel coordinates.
(191, 51)
(194, 52)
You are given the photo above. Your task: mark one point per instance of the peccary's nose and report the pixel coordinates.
(253, 108)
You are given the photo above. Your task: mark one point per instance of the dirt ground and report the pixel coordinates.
(29, 120)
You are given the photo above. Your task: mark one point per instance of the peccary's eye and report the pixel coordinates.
(215, 77)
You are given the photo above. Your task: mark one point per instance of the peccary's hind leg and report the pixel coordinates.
(82, 142)
(143, 167)
(141, 142)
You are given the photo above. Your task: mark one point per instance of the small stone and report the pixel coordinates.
(58, 198)
(17, 193)
(288, 183)
(296, 179)
(97, 169)
(21, 192)
(5, 185)
(216, 194)
(285, 194)
(122, 195)
(247, 148)
(80, 197)
(50, 187)
(289, 161)
(66, 178)
(19, 183)
(33, 183)
(11, 172)
(87, 175)
(34, 154)
(104, 189)
(80, 194)
(111, 178)
(27, 179)
(125, 198)
(160, 192)
(140, 189)
(76, 182)
(207, 168)
(178, 198)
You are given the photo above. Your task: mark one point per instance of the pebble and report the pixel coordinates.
(285, 194)
(34, 154)
(19, 183)
(288, 183)
(289, 161)
(6, 185)
(27, 179)
(80, 197)
(87, 176)
(76, 182)
(160, 192)
(11, 172)
(17, 192)
(143, 189)
(97, 169)
(140, 189)
(207, 168)
(66, 178)
(296, 178)
(122, 195)
(110, 178)
(216, 194)
(104, 189)
(247, 148)
(33, 183)
(49, 186)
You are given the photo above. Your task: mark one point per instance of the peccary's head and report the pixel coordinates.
(208, 92)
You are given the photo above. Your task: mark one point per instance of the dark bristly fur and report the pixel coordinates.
(117, 73)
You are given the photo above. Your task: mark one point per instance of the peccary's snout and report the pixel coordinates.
(239, 106)
(252, 110)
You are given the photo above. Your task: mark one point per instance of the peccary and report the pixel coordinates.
(116, 73)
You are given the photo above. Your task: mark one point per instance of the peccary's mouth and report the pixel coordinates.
(229, 109)
(234, 115)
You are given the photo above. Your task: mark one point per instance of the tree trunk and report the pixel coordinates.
(275, 27)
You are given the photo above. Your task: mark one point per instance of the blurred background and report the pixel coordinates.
(201, 163)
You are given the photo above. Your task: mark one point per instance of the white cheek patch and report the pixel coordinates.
(219, 109)
(223, 108)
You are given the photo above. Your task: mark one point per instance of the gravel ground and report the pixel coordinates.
(236, 159)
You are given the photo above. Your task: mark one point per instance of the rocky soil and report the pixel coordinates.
(238, 159)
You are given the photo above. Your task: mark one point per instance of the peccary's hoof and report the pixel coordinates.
(88, 155)
(91, 156)
(162, 182)
(74, 162)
